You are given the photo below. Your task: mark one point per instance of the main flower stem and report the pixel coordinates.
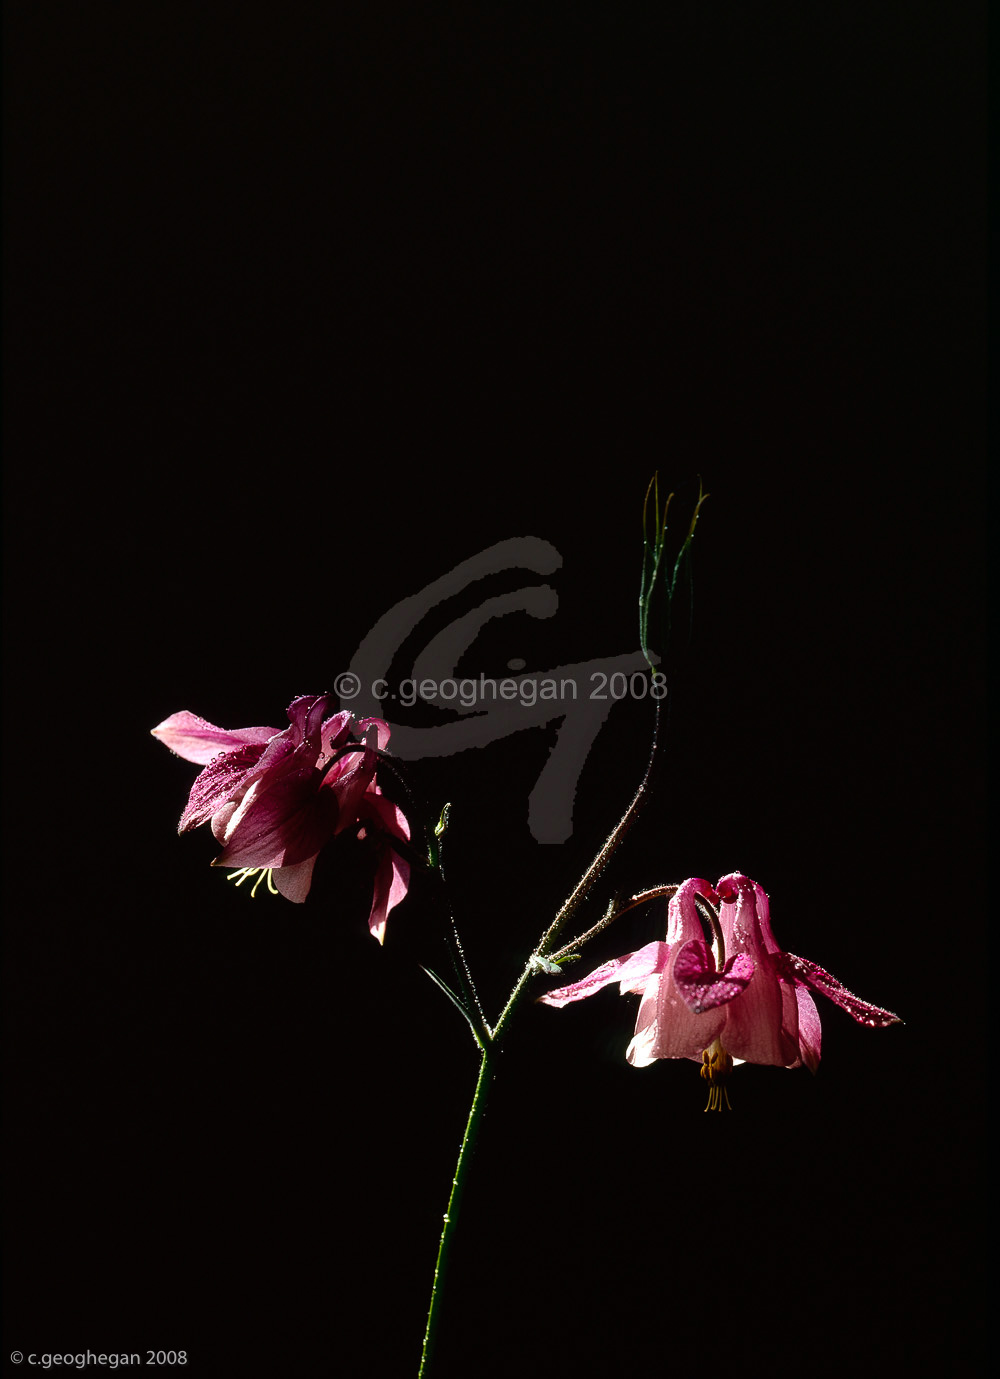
(489, 1039)
(454, 1201)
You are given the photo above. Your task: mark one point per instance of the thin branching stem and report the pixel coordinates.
(429, 860)
(462, 967)
(611, 914)
(613, 841)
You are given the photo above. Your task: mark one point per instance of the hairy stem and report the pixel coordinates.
(454, 1201)
(490, 1041)
(611, 845)
(583, 886)
(655, 893)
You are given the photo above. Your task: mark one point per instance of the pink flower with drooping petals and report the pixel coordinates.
(755, 1008)
(274, 797)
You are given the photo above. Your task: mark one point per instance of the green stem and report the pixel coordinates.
(489, 1039)
(454, 1201)
(473, 1008)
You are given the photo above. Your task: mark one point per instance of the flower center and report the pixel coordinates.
(716, 1065)
(259, 872)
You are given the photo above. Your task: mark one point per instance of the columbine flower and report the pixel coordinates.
(746, 1001)
(274, 797)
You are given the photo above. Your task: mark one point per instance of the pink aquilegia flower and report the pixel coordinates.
(275, 797)
(754, 1006)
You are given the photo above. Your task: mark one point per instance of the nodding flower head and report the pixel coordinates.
(273, 797)
(736, 999)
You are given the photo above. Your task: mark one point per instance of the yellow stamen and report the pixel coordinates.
(716, 1065)
(245, 872)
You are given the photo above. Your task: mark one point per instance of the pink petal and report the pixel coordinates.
(285, 756)
(281, 820)
(745, 916)
(701, 986)
(679, 1033)
(381, 728)
(306, 715)
(630, 969)
(294, 882)
(332, 735)
(759, 1026)
(392, 874)
(221, 819)
(356, 774)
(578, 991)
(221, 780)
(195, 739)
(682, 913)
(640, 1052)
(810, 1033)
(757, 1023)
(802, 970)
(634, 974)
(385, 814)
(392, 880)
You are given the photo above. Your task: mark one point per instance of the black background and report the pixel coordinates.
(306, 305)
